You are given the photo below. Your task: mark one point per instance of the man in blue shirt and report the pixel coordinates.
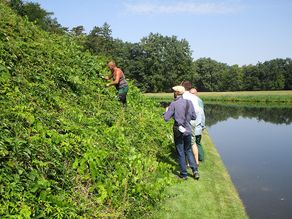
(182, 111)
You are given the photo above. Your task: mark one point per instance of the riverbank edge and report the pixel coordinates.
(213, 196)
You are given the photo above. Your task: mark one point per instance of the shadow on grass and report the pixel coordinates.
(170, 159)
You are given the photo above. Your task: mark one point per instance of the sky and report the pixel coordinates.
(238, 32)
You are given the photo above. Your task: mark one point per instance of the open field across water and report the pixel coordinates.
(239, 96)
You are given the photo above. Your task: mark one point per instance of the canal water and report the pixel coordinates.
(255, 144)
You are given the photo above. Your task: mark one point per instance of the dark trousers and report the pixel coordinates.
(123, 99)
(200, 147)
(184, 151)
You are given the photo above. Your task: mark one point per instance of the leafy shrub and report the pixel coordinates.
(67, 148)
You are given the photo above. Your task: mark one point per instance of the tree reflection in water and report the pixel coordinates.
(220, 112)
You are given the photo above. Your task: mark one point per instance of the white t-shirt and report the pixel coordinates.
(195, 100)
(199, 123)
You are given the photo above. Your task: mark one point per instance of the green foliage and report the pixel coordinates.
(78, 30)
(99, 41)
(156, 63)
(67, 148)
(270, 75)
(232, 79)
(288, 74)
(210, 74)
(38, 15)
(167, 62)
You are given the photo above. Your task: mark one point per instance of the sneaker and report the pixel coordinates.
(196, 175)
(183, 177)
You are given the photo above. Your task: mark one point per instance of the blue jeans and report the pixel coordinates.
(183, 145)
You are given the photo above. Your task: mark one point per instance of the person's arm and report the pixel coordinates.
(192, 111)
(117, 78)
(203, 114)
(169, 113)
(108, 77)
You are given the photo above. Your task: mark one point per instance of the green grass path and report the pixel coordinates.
(213, 196)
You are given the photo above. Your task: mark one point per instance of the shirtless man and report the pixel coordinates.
(119, 81)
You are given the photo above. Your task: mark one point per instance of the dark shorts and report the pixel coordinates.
(123, 90)
(123, 94)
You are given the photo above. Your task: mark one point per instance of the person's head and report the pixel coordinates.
(178, 90)
(111, 65)
(187, 85)
(193, 91)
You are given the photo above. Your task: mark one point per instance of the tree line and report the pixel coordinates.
(157, 62)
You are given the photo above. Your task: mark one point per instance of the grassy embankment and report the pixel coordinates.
(213, 196)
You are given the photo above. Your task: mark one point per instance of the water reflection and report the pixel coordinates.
(220, 112)
(255, 145)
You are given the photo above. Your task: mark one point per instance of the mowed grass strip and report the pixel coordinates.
(238, 96)
(213, 196)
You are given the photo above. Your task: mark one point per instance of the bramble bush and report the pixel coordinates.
(67, 148)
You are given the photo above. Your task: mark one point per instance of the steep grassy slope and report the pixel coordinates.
(67, 148)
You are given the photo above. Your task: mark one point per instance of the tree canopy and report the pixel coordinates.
(38, 15)
(157, 62)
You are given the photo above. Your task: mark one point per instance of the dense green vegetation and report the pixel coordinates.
(67, 148)
(38, 15)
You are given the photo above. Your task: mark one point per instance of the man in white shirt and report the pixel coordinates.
(199, 129)
(198, 124)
